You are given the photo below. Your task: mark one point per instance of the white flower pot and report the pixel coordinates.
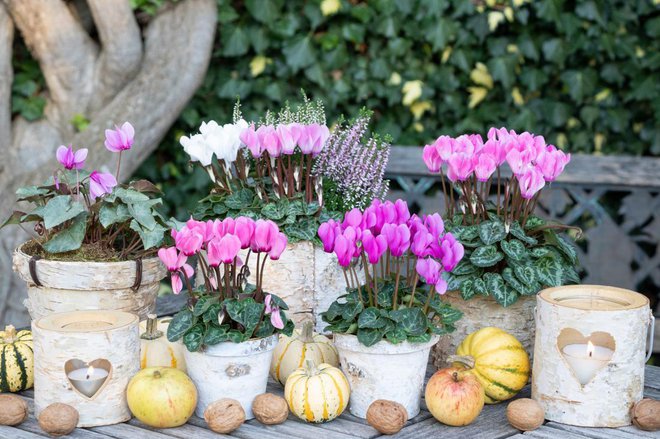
(231, 370)
(384, 371)
(63, 286)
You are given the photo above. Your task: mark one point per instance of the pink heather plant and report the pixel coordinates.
(472, 164)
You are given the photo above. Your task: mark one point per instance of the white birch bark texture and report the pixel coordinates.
(103, 339)
(231, 370)
(307, 278)
(480, 312)
(77, 286)
(394, 372)
(99, 63)
(610, 317)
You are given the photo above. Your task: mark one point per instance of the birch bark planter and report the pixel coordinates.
(580, 385)
(62, 286)
(231, 370)
(383, 371)
(65, 343)
(307, 278)
(480, 312)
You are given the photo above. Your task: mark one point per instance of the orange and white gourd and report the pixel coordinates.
(292, 352)
(317, 393)
(155, 349)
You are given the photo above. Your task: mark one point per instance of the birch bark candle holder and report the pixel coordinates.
(589, 354)
(86, 359)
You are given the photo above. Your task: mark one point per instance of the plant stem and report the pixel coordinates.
(395, 298)
(414, 287)
(118, 164)
(428, 299)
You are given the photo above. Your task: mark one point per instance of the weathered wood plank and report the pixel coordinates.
(491, 424)
(15, 433)
(652, 377)
(295, 428)
(599, 433)
(170, 304)
(127, 431)
(186, 431)
(552, 433)
(248, 431)
(589, 170)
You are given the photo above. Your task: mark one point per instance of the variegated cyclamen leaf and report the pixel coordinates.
(480, 287)
(60, 209)
(516, 230)
(491, 232)
(486, 256)
(571, 276)
(503, 294)
(70, 238)
(522, 288)
(534, 221)
(467, 289)
(565, 247)
(550, 271)
(412, 320)
(526, 273)
(370, 318)
(464, 268)
(514, 249)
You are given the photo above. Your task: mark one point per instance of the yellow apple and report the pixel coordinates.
(161, 397)
(454, 396)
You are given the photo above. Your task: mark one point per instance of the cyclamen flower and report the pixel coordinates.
(101, 183)
(551, 162)
(188, 241)
(328, 232)
(398, 238)
(250, 138)
(460, 167)
(374, 247)
(69, 159)
(430, 270)
(197, 148)
(269, 140)
(274, 311)
(452, 252)
(265, 235)
(531, 182)
(244, 230)
(288, 137)
(224, 141)
(279, 245)
(223, 250)
(121, 138)
(432, 158)
(484, 166)
(175, 263)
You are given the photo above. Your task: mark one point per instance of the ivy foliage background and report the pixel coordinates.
(582, 73)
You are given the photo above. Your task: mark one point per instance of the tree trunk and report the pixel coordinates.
(146, 79)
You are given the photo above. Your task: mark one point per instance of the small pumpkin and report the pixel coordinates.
(498, 360)
(291, 352)
(317, 394)
(155, 349)
(16, 360)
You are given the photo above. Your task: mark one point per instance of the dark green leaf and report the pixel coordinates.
(503, 294)
(369, 337)
(412, 320)
(486, 256)
(193, 339)
(180, 324)
(514, 249)
(550, 271)
(491, 232)
(467, 289)
(215, 334)
(516, 230)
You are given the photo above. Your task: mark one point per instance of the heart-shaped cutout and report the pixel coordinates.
(88, 378)
(585, 356)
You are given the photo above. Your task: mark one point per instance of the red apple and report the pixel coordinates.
(454, 396)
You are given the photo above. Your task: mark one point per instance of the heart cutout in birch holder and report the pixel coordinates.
(88, 379)
(585, 356)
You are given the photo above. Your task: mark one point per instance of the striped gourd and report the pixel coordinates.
(317, 394)
(292, 352)
(16, 360)
(499, 360)
(155, 349)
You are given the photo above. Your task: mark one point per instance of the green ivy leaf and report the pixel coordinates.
(70, 238)
(180, 324)
(60, 209)
(300, 53)
(486, 256)
(491, 232)
(514, 249)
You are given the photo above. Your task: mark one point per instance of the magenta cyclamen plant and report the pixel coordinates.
(78, 208)
(224, 307)
(473, 165)
(394, 250)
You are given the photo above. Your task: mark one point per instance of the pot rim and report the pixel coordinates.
(349, 342)
(129, 262)
(243, 349)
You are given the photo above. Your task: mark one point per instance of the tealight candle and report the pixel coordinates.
(88, 380)
(586, 359)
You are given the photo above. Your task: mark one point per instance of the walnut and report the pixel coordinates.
(646, 414)
(270, 409)
(58, 419)
(224, 415)
(525, 414)
(388, 417)
(13, 410)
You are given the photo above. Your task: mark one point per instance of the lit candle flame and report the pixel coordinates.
(90, 372)
(590, 348)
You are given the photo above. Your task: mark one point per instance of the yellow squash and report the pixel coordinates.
(16, 360)
(155, 349)
(499, 361)
(317, 394)
(292, 352)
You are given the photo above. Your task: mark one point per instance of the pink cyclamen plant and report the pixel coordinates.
(392, 246)
(474, 165)
(216, 245)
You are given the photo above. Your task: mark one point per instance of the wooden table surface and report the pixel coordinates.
(491, 424)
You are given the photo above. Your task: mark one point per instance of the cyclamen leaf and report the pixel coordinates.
(464, 268)
(486, 256)
(527, 274)
(274, 211)
(369, 337)
(412, 320)
(68, 239)
(550, 271)
(60, 209)
(143, 212)
(513, 282)
(503, 294)
(150, 238)
(240, 199)
(571, 276)
(27, 192)
(514, 249)
(516, 230)
(110, 214)
(563, 245)
(193, 339)
(370, 318)
(396, 335)
(480, 287)
(467, 289)
(215, 334)
(180, 324)
(534, 222)
(491, 232)
(128, 195)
